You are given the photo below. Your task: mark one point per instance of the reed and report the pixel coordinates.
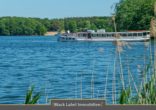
(48, 89)
(97, 93)
(125, 97)
(151, 59)
(92, 80)
(76, 87)
(154, 45)
(113, 81)
(107, 74)
(155, 39)
(119, 49)
(45, 88)
(81, 82)
(69, 93)
(155, 8)
(29, 95)
(81, 85)
(128, 47)
(145, 95)
(141, 98)
(152, 27)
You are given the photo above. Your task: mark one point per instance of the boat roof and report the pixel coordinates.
(116, 32)
(113, 32)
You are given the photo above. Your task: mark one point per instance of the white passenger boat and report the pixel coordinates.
(101, 35)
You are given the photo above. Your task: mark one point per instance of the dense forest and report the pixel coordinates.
(37, 26)
(130, 15)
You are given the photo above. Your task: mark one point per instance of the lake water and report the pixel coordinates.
(55, 68)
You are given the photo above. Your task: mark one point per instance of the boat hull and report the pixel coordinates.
(74, 39)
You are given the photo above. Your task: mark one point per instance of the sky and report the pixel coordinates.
(56, 8)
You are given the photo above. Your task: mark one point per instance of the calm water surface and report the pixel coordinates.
(55, 68)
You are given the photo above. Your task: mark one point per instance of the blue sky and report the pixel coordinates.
(56, 8)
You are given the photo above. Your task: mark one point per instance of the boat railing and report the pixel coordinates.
(106, 35)
(70, 35)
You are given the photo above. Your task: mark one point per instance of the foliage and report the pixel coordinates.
(106, 24)
(89, 22)
(56, 25)
(93, 27)
(72, 26)
(134, 14)
(124, 96)
(36, 26)
(100, 23)
(29, 95)
(21, 26)
(144, 96)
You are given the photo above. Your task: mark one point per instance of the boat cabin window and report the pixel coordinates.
(134, 34)
(108, 35)
(124, 35)
(99, 35)
(93, 35)
(80, 35)
(113, 35)
(120, 34)
(103, 35)
(130, 34)
(139, 34)
(84, 35)
(144, 33)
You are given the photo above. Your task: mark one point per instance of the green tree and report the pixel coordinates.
(47, 25)
(87, 24)
(56, 24)
(93, 27)
(100, 23)
(12, 26)
(2, 28)
(6, 23)
(134, 14)
(80, 24)
(72, 26)
(41, 29)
